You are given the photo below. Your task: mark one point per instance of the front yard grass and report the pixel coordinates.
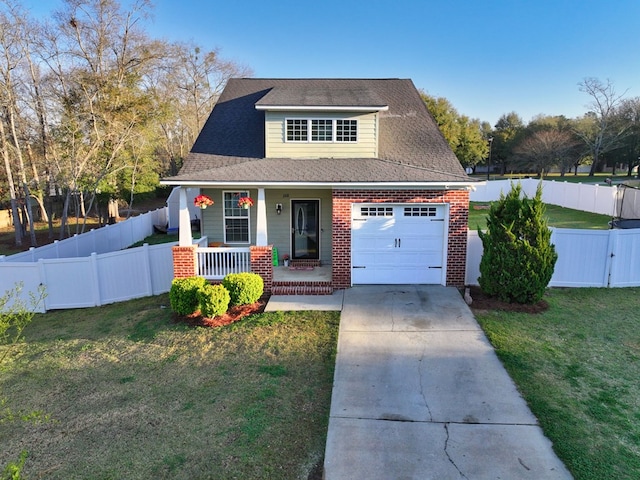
(577, 366)
(127, 393)
(559, 217)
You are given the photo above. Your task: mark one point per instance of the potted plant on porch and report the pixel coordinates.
(285, 259)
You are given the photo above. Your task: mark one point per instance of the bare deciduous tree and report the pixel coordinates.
(598, 129)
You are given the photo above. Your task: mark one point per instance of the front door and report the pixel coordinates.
(305, 229)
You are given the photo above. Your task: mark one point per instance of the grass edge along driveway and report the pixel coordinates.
(577, 367)
(131, 394)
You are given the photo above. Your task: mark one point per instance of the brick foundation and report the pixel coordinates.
(458, 224)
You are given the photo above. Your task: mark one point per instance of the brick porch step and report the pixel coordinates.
(305, 263)
(301, 288)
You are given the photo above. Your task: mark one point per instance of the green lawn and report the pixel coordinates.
(131, 394)
(577, 366)
(556, 216)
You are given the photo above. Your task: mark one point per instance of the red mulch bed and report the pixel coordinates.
(483, 302)
(232, 315)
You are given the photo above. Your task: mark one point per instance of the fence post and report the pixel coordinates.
(42, 274)
(610, 270)
(95, 279)
(147, 267)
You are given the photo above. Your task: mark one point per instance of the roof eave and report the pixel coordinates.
(323, 108)
(452, 185)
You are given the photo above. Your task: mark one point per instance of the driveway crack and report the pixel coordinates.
(446, 452)
(420, 376)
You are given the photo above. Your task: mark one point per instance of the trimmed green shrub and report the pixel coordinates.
(244, 288)
(183, 294)
(518, 258)
(214, 300)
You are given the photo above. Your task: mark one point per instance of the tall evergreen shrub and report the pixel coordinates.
(518, 258)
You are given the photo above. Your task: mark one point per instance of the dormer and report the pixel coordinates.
(321, 122)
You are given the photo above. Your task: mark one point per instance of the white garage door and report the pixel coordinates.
(398, 244)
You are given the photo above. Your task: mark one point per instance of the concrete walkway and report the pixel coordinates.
(420, 394)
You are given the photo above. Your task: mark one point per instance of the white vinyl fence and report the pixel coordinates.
(94, 280)
(91, 269)
(109, 238)
(578, 196)
(586, 258)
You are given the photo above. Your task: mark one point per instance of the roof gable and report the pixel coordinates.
(234, 133)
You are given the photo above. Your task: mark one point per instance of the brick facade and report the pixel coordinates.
(184, 261)
(458, 224)
(262, 264)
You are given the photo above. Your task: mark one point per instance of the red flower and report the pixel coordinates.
(202, 201)
(245, 202)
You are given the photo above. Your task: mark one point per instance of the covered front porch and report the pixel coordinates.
(279, 227)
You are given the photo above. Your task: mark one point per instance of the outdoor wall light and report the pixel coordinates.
(278, 208)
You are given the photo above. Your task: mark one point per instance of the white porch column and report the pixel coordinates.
(184, 239)
(261, 221)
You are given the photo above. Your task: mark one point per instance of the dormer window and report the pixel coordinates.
(322, 130)
(346, 130)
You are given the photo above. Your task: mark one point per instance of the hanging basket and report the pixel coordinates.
(245, 202)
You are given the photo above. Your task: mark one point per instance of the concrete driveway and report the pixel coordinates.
(420, 394)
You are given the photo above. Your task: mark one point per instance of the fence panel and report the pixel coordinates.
(578, 196)
(27, 273)
(586, 258)
(161, 265)
(70, 282)
(474, 255)
(123, 275)
(626, 258)
(101, 240)
(583, 257)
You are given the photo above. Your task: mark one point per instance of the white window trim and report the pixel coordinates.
(347, 120)
(334, 130)
(225, 217)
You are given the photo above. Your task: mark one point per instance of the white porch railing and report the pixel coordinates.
(216, 262)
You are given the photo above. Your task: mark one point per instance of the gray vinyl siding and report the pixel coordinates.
(213, 221)
(278, 226)
(277, 147)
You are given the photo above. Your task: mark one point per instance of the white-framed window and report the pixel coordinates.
(346, 130)
(236, 218)
(321, 130)
(297, 130)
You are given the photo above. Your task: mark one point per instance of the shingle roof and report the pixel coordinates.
(230, 146)
(343, 96)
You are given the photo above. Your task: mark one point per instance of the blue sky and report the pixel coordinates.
(487, 57)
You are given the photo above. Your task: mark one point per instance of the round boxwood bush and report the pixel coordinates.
(214, 300)
(244, 288)
(183, 294)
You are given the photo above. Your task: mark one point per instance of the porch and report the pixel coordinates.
(299, 278)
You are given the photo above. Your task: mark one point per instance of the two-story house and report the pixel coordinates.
(350, 174)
